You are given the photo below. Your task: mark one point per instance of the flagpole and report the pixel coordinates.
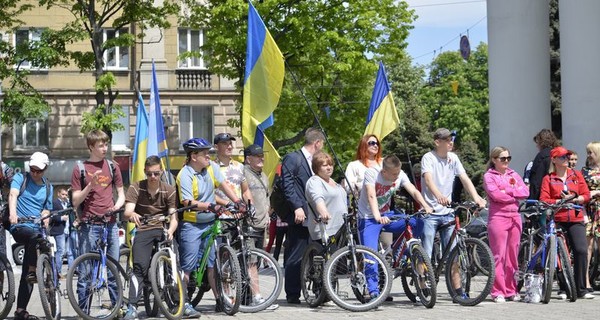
(335, 157)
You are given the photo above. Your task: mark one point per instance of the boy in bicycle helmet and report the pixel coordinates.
(196, 184)
(147, 198)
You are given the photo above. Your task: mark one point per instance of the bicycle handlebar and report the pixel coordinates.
(61, 212)
(163, 215)
(102, 218)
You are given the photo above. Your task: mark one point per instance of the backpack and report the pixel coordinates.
(277, 199)
(4, 207)
(82, 174)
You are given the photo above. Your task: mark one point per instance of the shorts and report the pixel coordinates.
(192, 245)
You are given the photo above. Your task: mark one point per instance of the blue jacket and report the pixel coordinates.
(295, 172)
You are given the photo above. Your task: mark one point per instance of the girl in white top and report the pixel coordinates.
(368, 155)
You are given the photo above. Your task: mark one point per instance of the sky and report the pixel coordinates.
(440, 23)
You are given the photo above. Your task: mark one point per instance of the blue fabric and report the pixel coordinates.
(61, 245)
(430, 227)
(295, 172)
(192, 245)
(30, 202)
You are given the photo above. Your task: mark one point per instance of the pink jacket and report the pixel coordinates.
(504, 191)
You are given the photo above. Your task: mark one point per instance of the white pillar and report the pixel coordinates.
(580, 73)
(519, 75)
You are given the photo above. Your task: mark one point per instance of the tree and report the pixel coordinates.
(330, 48)
(90, 19)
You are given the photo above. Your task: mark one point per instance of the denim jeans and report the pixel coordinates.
(431, 225)
(90, 234)
(72, 247)
(61, 243)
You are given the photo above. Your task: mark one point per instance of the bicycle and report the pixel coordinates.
(165, 279)
(467, 262)
(100, 278)
(347, 271)
(412, 263)
(7, 279)
(549, 254)
(594, 268)
(227, 270)
(261, 276)
(126, 264)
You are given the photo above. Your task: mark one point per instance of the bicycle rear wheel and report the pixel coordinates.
(229, 279)
(594, 269)
(423, 278)
(7, 285)
(311, 272)
(150, 304)
(48, 286)
(471, 265)
(346, 278)
(564, 271)
(166, 286)
(262, 281)
(522, 262)
(549, 269)
(97, 293)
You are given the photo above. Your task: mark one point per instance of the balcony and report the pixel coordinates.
(193, 79)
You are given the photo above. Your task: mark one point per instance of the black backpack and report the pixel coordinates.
(4, 206)
(277, 199)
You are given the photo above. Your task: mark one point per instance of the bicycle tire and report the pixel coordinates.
(229, 279)
(85, 264)
(549, 269)
(50, 295)
(564, 271)
(126, 272)
(340, 268)
(268, 268)
(7, 285)
(312, 276)
(422, 274)
(476, 278)
(594, 269)
(195, 292)
(150, 304)
(168, 295)
(522, 263)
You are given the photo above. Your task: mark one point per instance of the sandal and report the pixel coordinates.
(24, 315)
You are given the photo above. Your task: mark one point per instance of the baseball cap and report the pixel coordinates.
(559, 152)
(39, 159)
(223, 137)
(253, 150)
(443, 133)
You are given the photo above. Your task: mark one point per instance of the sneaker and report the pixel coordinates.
(587, 295)
(257, 299)
(131, 314)
(499, 299)
(515, 298)
(190, 312)
(562, 296)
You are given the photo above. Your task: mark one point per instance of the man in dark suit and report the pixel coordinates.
(58, 224)
(296, 170)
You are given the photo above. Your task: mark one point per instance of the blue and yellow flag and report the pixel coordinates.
(263, 81)
(140, 150)
(383, 116)
(157, 143)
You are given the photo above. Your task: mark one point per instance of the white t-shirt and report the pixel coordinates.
(355, 172)
(384, 190)
(443, 171)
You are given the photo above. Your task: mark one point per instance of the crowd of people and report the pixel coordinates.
(311, 195)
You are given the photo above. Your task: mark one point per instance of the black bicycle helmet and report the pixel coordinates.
(196, 144)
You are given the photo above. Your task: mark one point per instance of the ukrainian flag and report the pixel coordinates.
(263, 81)
(157, 143)
(383, 116)
(141, 142)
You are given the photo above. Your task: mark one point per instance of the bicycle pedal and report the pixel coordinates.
(318, 259)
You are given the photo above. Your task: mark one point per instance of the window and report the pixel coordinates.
(24, 37)
(121, 139)
(115, 57)
(31, 134)
(191, 41)
(195, 122)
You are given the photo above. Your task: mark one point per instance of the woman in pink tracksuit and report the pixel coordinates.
(504, 188)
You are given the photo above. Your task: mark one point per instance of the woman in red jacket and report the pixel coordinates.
(563, 182)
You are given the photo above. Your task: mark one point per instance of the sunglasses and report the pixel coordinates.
(153, 173)
(34, 170)
(504, 159)
(565, 157)
(373, 143)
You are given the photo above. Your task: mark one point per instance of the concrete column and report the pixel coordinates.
(154, 48)
(580, 73)
(519, 75)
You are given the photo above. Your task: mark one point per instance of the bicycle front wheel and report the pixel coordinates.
(262, 280)
(594, 269)
(470, 267)
(565, 270)
(423, 278)
(48, 286)
(357, 282)
(229, 279)
(97, 293)
(166, 286)
(7, 285)
(311, 272)
(549, 268)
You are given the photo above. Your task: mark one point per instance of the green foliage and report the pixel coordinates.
(330, 49)
(101, 118)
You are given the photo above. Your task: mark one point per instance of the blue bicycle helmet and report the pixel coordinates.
(196, 144)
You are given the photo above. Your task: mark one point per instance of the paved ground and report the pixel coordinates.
(400, 308)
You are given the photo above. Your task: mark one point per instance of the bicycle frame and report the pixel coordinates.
(403, 243)
(209, 235)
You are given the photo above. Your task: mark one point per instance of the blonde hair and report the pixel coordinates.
(594, 147)
(495, 153)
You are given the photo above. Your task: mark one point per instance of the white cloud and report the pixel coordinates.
(447, 13)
